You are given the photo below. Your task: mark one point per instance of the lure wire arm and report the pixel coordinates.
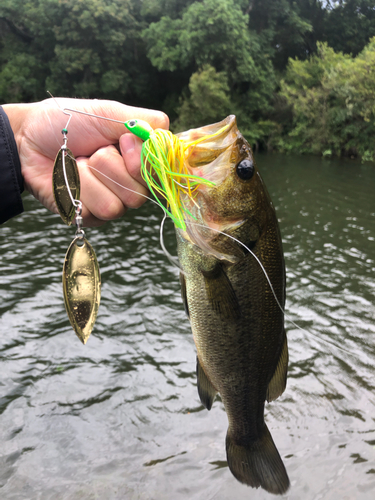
(91, 114)
(64, 110)
(76, 203)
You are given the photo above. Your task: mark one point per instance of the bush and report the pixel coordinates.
(332, 96)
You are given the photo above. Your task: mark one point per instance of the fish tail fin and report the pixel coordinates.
(258, 464)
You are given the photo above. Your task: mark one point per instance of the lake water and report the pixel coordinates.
(120, 417)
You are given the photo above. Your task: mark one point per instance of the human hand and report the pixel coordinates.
(95, 143)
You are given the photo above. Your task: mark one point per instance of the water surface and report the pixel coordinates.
(120, 417)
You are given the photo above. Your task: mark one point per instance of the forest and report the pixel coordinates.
(299, 74)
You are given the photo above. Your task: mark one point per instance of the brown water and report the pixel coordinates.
(120, 417)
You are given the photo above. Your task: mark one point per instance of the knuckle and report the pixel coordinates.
(112, 209)
(103, 155)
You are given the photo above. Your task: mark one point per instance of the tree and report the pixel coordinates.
(72, 47)
(215, 34)
(332, 96)
(349, 25)
(208, 101)
(285, 27)
(211, 32)
(199, 60)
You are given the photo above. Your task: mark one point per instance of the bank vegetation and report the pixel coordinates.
(299, 74)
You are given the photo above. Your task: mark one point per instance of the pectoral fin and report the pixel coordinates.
(278, 382)
(183, 294)
(220, 293)
(206, 390)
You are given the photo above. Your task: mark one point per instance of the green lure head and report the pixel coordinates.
(164, 170)
(140, 128)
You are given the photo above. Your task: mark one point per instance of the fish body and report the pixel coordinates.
(237, 325)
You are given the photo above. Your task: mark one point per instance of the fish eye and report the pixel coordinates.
(132, 123)
(245, 170)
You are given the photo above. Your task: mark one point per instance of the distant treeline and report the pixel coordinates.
(299, 74)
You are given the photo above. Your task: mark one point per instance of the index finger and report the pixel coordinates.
(98, 132)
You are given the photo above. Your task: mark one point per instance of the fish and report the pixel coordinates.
(230, 245)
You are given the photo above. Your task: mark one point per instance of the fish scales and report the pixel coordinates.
(237, 325)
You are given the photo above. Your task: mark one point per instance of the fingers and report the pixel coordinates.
(123, 113)
(114, 171)
(99, 204)
(87, 133)
(131, 147)
(105, 173)
(107, 186)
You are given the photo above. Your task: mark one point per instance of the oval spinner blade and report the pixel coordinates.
(60, 191)
(81, 285)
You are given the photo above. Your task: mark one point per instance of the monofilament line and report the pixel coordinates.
(170, 257)
(173, 261)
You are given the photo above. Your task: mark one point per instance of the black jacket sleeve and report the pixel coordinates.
(11, 181)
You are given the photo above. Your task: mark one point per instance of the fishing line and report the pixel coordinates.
(160, 179)
(172, 259)
(271, 287)
(63, 110)
(175, 263)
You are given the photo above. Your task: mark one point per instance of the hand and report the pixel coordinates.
(107, 147)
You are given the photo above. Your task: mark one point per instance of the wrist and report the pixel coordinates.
(16, 114)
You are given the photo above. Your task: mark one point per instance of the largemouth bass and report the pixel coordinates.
(237, 325)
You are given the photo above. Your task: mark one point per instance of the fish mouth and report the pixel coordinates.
(209, 134)
(211, 156)
(210, 152)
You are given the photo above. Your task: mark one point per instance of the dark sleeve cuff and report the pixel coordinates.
(11, 181)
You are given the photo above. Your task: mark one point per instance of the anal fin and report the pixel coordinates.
(278, 382)
(206, 390)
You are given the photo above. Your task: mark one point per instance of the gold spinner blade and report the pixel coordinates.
(63, 199)
(81, 285)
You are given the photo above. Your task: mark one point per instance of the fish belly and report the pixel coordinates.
(238, 332)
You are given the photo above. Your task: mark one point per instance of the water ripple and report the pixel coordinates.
(120, 417)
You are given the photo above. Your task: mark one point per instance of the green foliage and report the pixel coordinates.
(17, 78)
(208, 101)
(213, 40)
(153, 10)
(349, 25)
(80, 47)
(283, 27)
(94, 42)
(200, 60)
(333, 100)
(211, 32)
